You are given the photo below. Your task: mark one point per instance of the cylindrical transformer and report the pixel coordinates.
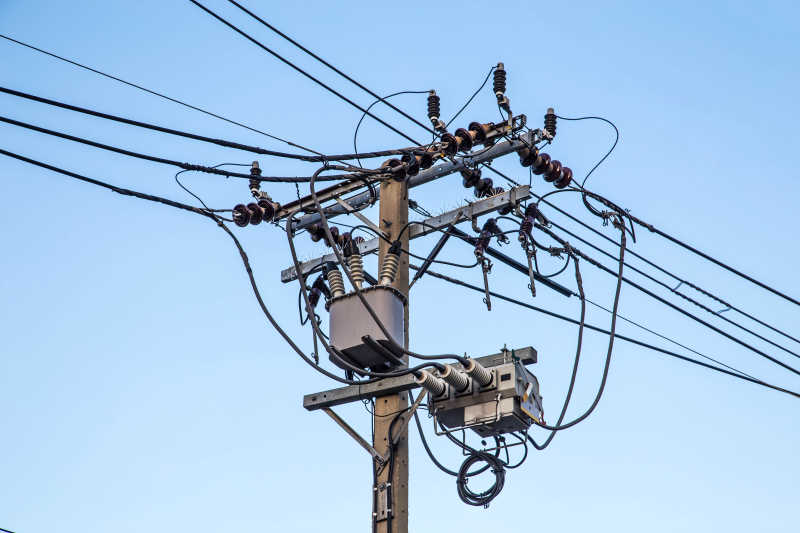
(458, 380)
(478, 372)
(435, 386)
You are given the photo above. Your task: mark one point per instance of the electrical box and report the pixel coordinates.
(511, 402)
(350, 321)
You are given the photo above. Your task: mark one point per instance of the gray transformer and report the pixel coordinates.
(350, 321)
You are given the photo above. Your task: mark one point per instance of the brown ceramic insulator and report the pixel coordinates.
(397, 168)
(335, 234)
(565, 179)
(484, 187)
(481, 131)
(316, 232)
(452, 144)
(256, 213)
(541, 164)
(241, 216)
(554, 172)
(425, 160)
(269, 209)
(471, 177)
(412, 164)
(466, 140)
(527, 156)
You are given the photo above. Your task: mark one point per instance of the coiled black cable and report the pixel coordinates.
(483, 498)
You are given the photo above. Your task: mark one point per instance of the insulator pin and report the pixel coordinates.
(435, 386)
(458, 380)
(478, 372)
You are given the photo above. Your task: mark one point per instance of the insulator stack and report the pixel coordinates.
(241, 216)
(477, 372)
(466, 139)
(412, 164)
(565, 179)
(499, 84)
(553, 171)
(389, 268)
(269, 208)
(255, 183)
(471, 177)
(356, 264)
(527, 156)
(335, 282)
(435, 386)
(318, 288)
(541, 164)
(458, 380)
(434, 111)
(550, 122)
(484, 188)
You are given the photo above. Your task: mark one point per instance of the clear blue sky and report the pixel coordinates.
(142, 390)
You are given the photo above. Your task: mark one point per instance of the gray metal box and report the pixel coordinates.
(350, 320)
(509, 403)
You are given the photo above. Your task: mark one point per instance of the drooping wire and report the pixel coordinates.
(675, 307)
(301, 71)
(736, 374)
(616, 140)
(158, 94)
(327, 64)
(203, 138)
(471, 98)
(383, 99)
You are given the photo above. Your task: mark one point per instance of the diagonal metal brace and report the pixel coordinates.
(358, 438)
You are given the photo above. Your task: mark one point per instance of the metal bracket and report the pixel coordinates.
(429, 225)
(357, 214)
(358, 438)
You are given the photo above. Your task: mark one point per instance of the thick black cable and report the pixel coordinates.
(203, 138)
(160, 95)
(360, 120)
(717, 262)
(616, 140)
(471, 98)
(301, 71)
(673, 306)
(680, 294)
(625, 338)
(573, 377)
(667, 272)
(164, 161)
(242, 254)
(345, 76)
(558, 427)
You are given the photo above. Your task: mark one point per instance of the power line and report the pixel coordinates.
(656, 266)
(673, 306)
(675, 291)
(318, 58)
(184, 166)
(704, 255)
(203, 138)
(643, 344)
(301, 71)
(155, 93)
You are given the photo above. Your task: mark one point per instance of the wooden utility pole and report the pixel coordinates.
(393, 217)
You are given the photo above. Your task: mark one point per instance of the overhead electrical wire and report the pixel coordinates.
(184, 166)
(203, 138)
(321, 60)
(158, 94)
(515, 301)
(673, 306)
(301, 71)
(674, 276)
(682, 295)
